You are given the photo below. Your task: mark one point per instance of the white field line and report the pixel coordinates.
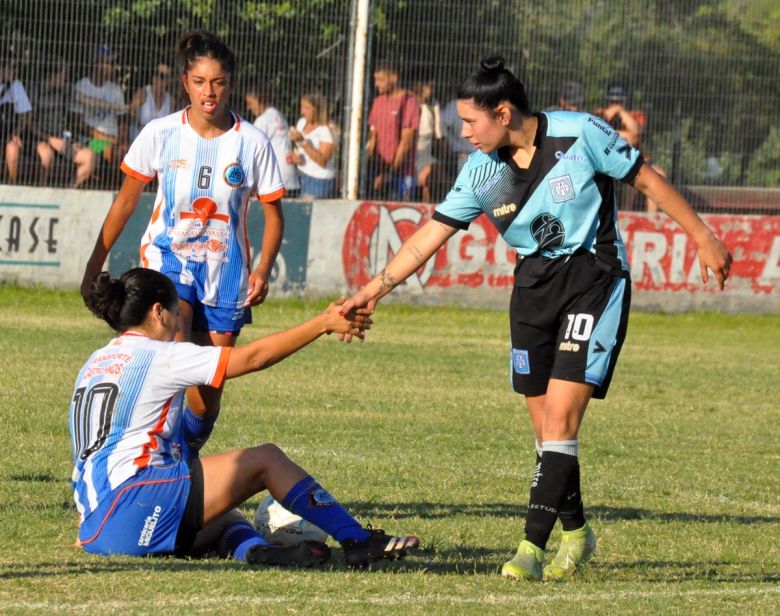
(407, 599)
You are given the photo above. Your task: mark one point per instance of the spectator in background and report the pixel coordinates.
(430, 130)
(15, 110)
(272, 123)
(152, 101)
(628, 124)
(458, 148)
(393, 121)
(631, 125)
(571, 98)
(100, 110)
(315, 146)
(51, 126)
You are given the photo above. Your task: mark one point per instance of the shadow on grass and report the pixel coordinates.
(38, 477)
(435, 511)
(674, 571)
(115, 565)
(456, 561)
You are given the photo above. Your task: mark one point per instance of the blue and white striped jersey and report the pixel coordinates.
(197, 233)
(125, 413)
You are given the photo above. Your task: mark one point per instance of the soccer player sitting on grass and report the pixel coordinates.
(141, 489)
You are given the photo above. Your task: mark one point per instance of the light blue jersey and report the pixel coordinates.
(563, 202)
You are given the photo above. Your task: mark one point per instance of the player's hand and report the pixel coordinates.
(714, 256)
(257, 290)
(361, 304)
(350, 323)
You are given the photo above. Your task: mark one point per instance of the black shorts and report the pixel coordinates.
(568, 320)
(192, 518)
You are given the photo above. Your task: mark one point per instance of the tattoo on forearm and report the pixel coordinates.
(387, 281)
(416, 252)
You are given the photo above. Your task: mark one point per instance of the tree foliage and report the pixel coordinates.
(704, 71)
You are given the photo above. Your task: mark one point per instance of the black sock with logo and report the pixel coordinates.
(572, 511)
(548, 487)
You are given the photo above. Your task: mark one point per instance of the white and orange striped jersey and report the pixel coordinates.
(125, 413)
(197, 234)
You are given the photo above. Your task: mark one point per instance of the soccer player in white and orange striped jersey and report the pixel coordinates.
(136, 493)
(208, 163)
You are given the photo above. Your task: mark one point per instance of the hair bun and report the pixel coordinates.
(492, 65)
(118, 292)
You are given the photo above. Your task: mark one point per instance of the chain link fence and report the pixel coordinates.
(701, 78)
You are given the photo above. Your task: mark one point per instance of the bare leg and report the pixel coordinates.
(424, 180)
(84, 158)
(12, 153)
(564, 408)
(232, 477)
(46, 156)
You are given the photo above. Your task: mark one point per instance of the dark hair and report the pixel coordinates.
(385, 66)
(492, 84)
(258, 90)
(201, 43)
(125, 302)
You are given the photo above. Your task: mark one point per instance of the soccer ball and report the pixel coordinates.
(282, 527)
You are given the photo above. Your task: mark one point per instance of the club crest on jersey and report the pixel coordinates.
(520, 361)
(548, 231)
(234, 175)
(562, 189)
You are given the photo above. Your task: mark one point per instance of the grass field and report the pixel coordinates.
(416, 431)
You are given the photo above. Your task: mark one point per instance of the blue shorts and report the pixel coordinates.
(317, 188)
(211, 319)
(155, 512)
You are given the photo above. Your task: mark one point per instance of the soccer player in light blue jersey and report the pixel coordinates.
(547, 182)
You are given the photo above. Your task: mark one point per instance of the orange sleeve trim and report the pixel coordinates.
(135, 174)
(219, 373)
(277, 194)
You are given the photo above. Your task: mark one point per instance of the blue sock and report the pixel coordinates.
(195, 431)
(236, 540)
(312, 502)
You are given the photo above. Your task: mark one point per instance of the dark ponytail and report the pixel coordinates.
(125, 302)
(203, 44)
(492, 84)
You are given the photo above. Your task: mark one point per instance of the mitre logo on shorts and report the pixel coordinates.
(234, 175)
(520, 361)
(562, 189)
(374, 235)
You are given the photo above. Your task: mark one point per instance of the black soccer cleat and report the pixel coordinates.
(304, 554)
(378, 546)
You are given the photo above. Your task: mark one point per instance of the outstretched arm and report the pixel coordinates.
(413, 254)
(121, 210)
(269, 350)
(713, 254)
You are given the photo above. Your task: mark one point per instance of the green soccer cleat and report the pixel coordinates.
(527, 563)
(577, 546)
